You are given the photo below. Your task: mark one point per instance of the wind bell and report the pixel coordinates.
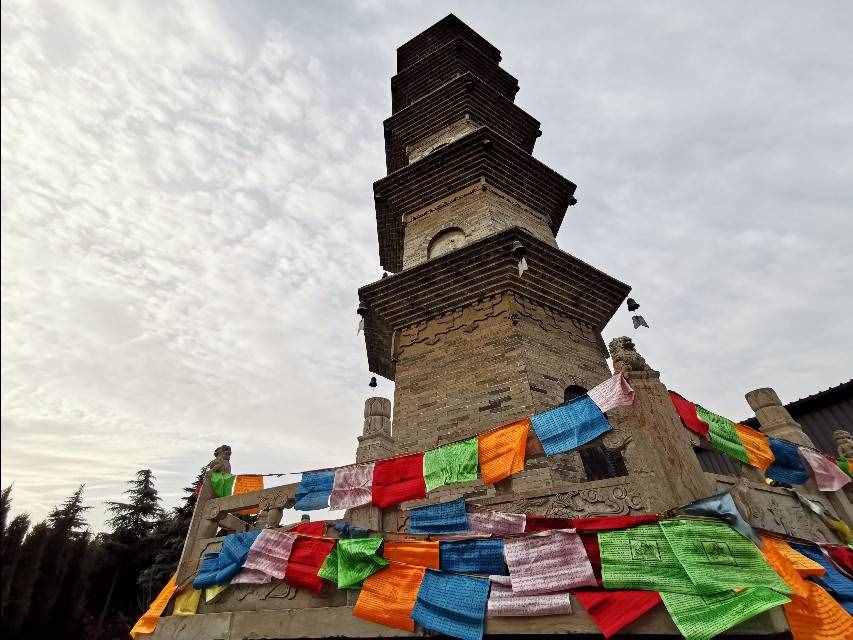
(519, 253)
(637, 320)
(361, 311)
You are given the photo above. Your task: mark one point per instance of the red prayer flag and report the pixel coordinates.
(397, 480)
(306, 558)
(544, 523)
(613, 610)
(316, 528)
(590, 543)
(609, 523)
(843, 556)
(687, 412)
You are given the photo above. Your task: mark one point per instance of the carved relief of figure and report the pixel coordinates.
(221, 459)
(844, 442)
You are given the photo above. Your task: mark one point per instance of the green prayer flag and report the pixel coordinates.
(329, 568)
(717, 558)
(844, 464)
(452, 463)
(703, 617)
(722, 434)
(641, 558)
(222, 483)
(358, 558)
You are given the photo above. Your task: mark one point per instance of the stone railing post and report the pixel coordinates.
(200, 527)
(659, 456)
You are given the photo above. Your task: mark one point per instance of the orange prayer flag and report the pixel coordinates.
(246, 484)
(388, 597)
(502, 451)
(420, 553)
(148, 622)
(757, 446)
(818, 616)
(804, 566)
(782, 565)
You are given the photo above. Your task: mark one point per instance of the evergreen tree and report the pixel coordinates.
(11, 541)
(28, 568)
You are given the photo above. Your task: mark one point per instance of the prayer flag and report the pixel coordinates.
(452, 605)
(388, 596)
(535, 523)
(503, 602)
(148, 622)
(843, 556)
(827, 474)
(548, 563)
(451, 464)
(358, 558)
(590, 545)
(246, 483)
(222, 483)
(834, 581)
(757, 447)
(397, 480)
(211, 593)
(844, 465)
(267, 558)
(718, 558)
(722, 434)
(351, 487)
(313, 490)
(484, 556)
(609, 523)
(220, 567)
(612, 611)
(721, 506)
(805, 566)
(818, 616)
(186, 602)
(329, 569)
(569, 426)
(308, 528)
(502, 451)
(444, 517)
(496, 522)
(641, 558)
(613, 392)
(780, 561)
(703, 617)
(306, 557)
(788, 466)
(686, 410)
(415, 552)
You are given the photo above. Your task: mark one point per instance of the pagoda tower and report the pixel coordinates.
(470, 336)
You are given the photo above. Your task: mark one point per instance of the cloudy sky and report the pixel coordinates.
(187, 212)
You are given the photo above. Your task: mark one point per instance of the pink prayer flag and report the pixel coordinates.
(613, 392)
(352, 486)
(503, 602)
(268, 556)
(496, 522)
(549, 562)
(827, 474)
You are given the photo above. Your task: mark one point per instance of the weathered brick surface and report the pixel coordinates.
(479, 211)
(448, 134)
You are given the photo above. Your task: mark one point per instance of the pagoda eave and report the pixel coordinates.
(465, 95)
(554, 279)
(448, 28)
(480, 156)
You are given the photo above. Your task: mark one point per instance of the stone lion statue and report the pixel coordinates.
(625, 356)
(221, 459)
(844, 442)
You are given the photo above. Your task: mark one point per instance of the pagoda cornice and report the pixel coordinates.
(465, 95)
(554, 279)
(448, 28)
(480, 156)
(445, 63)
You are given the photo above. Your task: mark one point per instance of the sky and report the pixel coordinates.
(187, 213)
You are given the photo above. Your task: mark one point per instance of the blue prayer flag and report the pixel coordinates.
(314, 490)
(570, 425)
(788, 467)
(220, 567)
(484, 556)
(446, 517)
(838, 584)
(452, 605)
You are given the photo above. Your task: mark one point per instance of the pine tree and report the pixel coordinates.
(28, 568)
(138, 517)
(11, 541)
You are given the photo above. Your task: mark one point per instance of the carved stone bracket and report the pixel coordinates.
(599, 501)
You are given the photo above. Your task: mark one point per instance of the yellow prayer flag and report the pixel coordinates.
(757, 446)
(502, 451)
(148, 622)
(186, 602)
(211, 592)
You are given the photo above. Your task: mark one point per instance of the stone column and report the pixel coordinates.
(374, 443)
(774, 419)
(659, 457)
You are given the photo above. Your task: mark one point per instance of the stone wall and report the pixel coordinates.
(480, 211)
(452, 132)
